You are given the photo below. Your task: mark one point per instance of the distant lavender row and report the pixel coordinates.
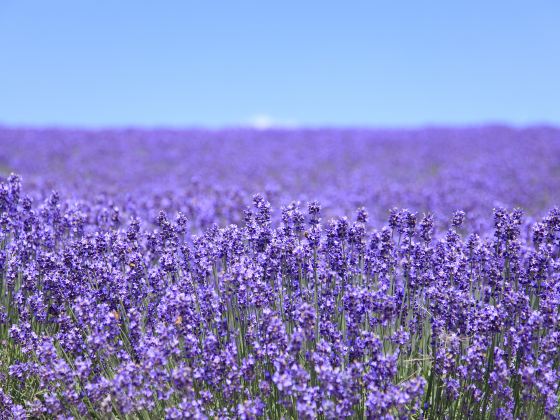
(211, 175)
(136, 292)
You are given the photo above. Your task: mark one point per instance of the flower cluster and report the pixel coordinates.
(143, 306)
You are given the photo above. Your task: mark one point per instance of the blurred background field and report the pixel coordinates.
(211, 175)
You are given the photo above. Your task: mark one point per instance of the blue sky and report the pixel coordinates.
(313, 63)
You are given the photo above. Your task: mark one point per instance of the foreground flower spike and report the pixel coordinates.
(340, 293)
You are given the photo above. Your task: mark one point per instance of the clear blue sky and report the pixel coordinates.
(216, 63)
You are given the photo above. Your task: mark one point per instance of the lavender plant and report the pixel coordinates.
(147, 307)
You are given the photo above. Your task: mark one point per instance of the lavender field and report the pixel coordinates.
(336, 273)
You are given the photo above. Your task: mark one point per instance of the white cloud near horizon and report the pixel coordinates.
(265, 121)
